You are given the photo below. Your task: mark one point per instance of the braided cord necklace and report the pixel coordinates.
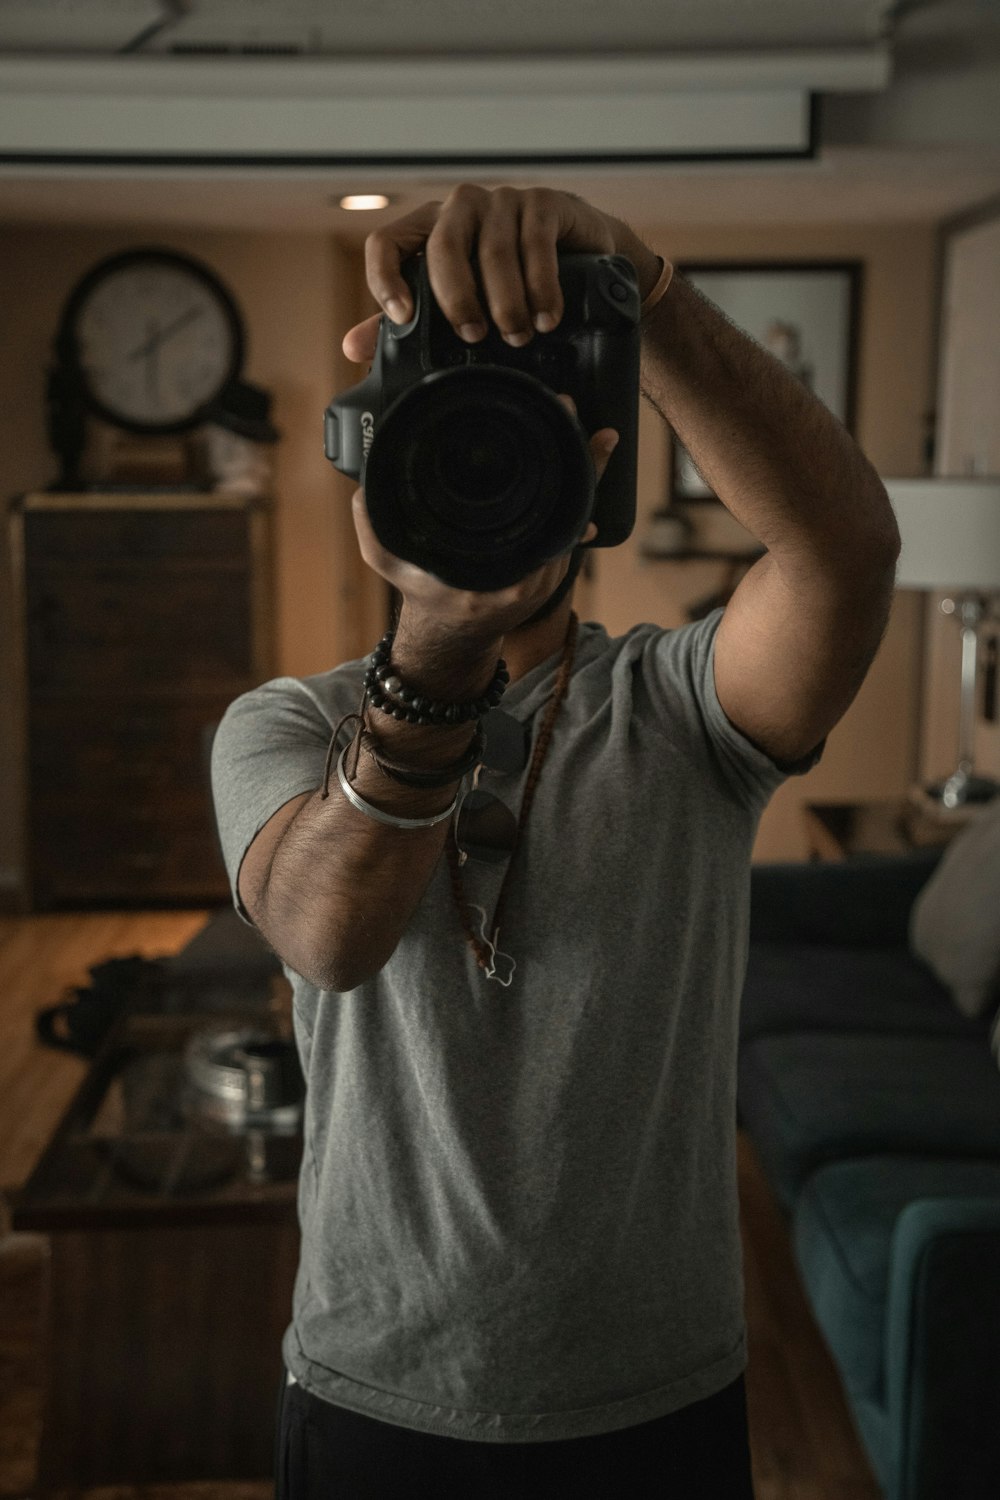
(485, 949)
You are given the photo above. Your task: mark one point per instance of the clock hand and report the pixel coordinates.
(143, 350)
(153, 374)
(185, 318)
(159, 335)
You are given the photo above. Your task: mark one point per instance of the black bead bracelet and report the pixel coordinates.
(387, 691)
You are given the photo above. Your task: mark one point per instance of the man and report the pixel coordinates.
(520, 1264)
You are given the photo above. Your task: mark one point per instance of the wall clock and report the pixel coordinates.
(149, 338)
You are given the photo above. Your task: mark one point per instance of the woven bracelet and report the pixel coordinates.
(387, 691)
(415, 776)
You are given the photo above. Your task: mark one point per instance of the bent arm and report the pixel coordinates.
(773, 453)
(802, 629)
(806, 622)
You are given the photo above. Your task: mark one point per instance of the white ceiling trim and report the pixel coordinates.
(475, 28)
(740, 105)
(846, 68)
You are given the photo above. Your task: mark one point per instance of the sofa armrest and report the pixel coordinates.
(943, 1349)
(862, 902)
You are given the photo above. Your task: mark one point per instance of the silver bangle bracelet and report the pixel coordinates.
(384, 817)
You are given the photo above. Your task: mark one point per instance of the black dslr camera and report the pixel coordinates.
(472, 467)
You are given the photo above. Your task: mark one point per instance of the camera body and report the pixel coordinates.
(472, 467)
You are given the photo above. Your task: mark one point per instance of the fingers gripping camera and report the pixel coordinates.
(472, 467)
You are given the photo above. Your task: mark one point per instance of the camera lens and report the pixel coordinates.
(478, 465)
(479, 476)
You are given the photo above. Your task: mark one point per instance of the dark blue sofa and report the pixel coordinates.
(874, 1108)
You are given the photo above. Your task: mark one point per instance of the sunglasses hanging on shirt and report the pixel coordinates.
(486, 944)
(486, 828)
(507, 743)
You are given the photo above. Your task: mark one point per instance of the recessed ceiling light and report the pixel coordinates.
(362, 201)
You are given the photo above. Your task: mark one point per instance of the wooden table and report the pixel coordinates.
(893, 825)
(173, 1258)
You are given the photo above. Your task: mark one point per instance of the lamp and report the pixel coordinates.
(950, 530)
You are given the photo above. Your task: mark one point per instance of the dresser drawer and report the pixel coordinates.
(139, 626)
(143, 616)
(101, 747)
(125, 862)
(134, 535)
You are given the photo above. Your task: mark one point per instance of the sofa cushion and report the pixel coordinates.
(806, 1099)
(955, 922)
(862, 901)
(812, 987)
(842, 1233)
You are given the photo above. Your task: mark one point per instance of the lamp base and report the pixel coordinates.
(963, 787)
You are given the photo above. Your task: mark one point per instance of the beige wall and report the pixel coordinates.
(299, 292)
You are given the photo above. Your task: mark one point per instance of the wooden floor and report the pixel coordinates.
(802, 1436)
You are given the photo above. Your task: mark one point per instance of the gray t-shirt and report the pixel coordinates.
(519, 1205)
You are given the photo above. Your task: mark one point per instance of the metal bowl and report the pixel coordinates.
(246, 1077)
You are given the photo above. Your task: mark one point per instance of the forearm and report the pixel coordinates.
(339, 895)
(342, 887)
(771, 451)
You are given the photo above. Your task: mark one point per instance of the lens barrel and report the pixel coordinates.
(479, 475)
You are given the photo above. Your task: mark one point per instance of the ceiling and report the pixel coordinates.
(924, 147)
(436, 27)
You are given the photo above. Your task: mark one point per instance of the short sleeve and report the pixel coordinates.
(270, 746)
(685, 662)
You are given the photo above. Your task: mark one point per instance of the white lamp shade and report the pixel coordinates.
(950, 530)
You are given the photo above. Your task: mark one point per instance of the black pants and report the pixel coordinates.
(326, 1452)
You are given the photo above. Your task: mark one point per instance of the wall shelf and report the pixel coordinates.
(690, 555)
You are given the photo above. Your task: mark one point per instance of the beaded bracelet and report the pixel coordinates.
(417, 777)
(387, 691)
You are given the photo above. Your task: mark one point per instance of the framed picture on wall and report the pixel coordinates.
(806, 313)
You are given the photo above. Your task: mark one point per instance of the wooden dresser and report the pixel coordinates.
(142, 616)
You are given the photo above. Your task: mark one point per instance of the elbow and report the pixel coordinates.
(339, 977)
(870, 551)
(886, 543)
(339, 970)
(883, 556)
(330, 967)
(891, 542)
(320, 953)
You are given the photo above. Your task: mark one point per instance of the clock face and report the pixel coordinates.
(155, 337)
